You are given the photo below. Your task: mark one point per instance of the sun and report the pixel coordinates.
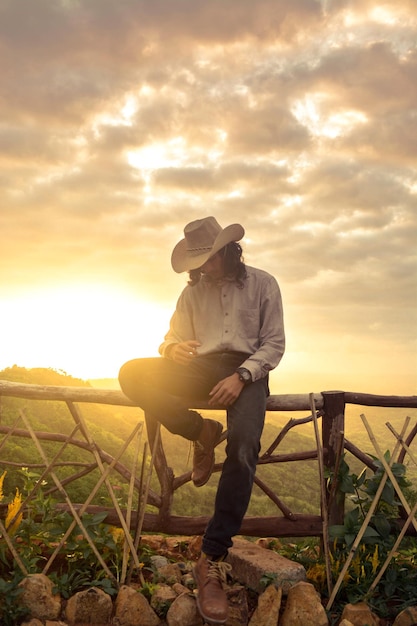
(87, 330)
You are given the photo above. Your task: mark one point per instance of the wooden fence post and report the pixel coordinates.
(333, 428)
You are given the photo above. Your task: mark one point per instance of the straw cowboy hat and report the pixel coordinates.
(202, 239)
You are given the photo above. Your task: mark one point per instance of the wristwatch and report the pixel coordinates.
(244, 375)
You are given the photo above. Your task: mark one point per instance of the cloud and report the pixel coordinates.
(122, 121)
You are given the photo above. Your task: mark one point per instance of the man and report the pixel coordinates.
(225, 335)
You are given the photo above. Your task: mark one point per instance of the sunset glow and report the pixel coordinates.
(87, 330)
(122, 122)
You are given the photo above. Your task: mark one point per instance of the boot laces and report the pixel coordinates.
(195, 447)
(198, 446)
(218, 570)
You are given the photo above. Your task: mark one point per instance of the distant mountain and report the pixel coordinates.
(104, 383)
(40, 376)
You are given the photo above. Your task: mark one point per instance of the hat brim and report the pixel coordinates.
(182, 260)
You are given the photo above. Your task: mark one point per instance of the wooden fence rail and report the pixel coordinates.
(329, 406)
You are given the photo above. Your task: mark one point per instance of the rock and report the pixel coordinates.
(238, 606)
(48, 622)
(408, 617)
(303, 607)
(158, 561)
(162, 598)
(153, 542)
(38, 598)
(188, 581)
(93, 606)
(184, 612)
(269, 543)
(345, 622)
(267, 611)
(37, 622)
(250, 563)
(133, 609)
(180, 588)
(178, 544)
(360, 615)
(195, 545)
(185, 545)
(171, 573)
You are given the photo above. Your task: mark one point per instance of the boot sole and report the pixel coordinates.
(210, 620)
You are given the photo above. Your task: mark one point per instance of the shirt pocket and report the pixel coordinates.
(248, 323)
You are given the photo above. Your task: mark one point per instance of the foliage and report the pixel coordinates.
(11, 612)
(148, 589)
(398, 584)
(397, 588)
(362, 491)
(68, 583)
(38, 532)
(268, 578)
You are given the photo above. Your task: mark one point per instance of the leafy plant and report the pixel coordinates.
(148, 590)
(362, 490)
(269, 578)
(398, 584)
(11, 613)
(67, 584)
(76, 566)
(397, 588)
(40, 530)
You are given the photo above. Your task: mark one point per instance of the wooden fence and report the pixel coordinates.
(327, 406)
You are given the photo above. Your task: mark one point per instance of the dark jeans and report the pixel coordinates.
(166, 391)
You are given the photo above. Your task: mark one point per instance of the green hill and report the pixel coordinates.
(296, 483)
(108, 425)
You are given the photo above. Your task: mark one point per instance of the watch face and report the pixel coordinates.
(245, 375)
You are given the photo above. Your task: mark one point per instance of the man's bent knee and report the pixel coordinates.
(129, 375)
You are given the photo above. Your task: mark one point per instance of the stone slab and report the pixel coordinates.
(250, 563)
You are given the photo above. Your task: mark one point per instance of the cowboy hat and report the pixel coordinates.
(202, 239)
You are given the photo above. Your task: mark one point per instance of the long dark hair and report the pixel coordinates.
(234, 267)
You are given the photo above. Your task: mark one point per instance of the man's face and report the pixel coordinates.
(214, 266)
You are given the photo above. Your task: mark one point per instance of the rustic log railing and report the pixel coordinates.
(328, 405)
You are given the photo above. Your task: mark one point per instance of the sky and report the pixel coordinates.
(123, 120)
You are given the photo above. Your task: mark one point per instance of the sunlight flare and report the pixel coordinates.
(87, 331)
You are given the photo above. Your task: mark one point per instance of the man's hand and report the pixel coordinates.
(183, 352)
(226, 391)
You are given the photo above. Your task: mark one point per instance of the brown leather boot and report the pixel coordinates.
(203, 459)
(211, 598)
